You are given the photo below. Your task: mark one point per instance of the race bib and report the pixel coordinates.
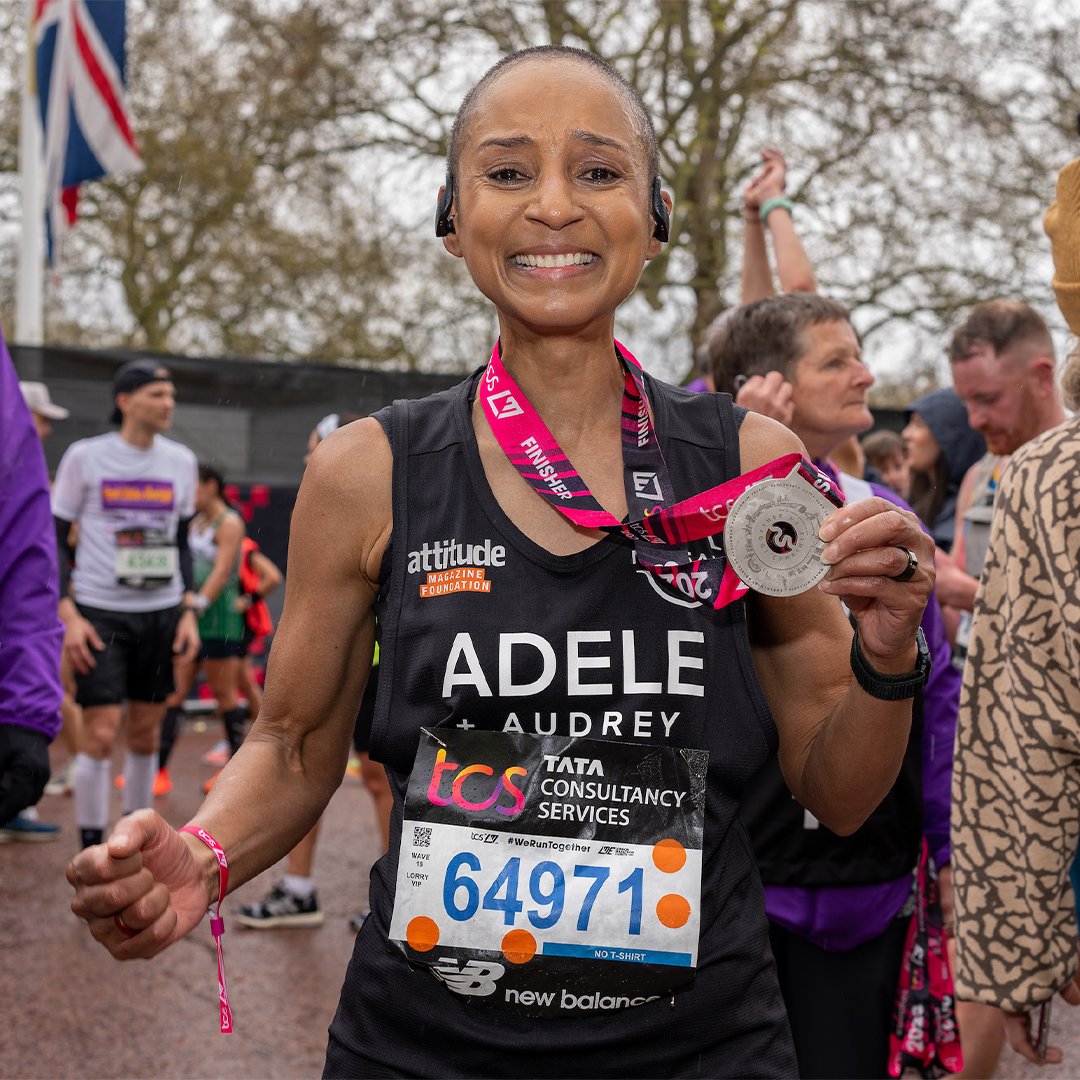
(549, 876)
(144, 558)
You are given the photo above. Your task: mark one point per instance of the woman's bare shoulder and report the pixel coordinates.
(347, 488)
(762, 439)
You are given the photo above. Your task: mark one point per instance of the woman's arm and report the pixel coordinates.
(840, 748)
(294, 757)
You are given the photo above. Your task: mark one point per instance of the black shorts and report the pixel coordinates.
(361, 736)
(137, 661)
(221, 649)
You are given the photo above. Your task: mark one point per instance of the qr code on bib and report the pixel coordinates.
(421, 837)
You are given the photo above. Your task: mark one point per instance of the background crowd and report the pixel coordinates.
(990, 465)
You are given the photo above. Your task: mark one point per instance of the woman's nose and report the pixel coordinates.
(554, 202)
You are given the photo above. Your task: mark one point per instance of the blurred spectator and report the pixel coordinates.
(765, 209)
(30, 632)
(849, 457)
(941, 447)
(44, 411)
(42, 408)
(260, 576)
(1002, 359)
(1017, 785)
(125, 590)
(837, 906)
(886, 452)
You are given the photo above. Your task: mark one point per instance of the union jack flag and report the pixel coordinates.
(79, 69)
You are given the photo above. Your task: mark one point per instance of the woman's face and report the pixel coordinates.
(922, 448)
(552, 212)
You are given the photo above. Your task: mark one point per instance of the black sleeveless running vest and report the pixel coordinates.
(680, 674)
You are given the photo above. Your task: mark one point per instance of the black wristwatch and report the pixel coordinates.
(891, 687)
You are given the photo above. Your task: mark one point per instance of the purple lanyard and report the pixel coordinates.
(659, 527)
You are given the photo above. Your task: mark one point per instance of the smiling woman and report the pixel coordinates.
(542, 546)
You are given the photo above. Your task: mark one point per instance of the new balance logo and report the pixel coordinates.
(475, 978)
(508, 407)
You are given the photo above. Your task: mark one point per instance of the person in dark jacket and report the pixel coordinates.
(941, 447)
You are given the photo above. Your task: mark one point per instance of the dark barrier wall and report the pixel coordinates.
(250, 418)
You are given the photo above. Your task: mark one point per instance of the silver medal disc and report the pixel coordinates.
(771, 536)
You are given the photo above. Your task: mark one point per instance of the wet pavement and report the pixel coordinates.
(67, 1009)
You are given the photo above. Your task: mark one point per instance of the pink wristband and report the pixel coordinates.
(217, 924)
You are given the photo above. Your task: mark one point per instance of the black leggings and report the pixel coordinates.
(840, 1004)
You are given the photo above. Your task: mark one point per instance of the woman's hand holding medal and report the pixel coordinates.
(870, 546)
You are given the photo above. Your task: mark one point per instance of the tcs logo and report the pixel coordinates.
(458, 796)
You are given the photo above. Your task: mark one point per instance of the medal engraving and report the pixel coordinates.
(772, 539)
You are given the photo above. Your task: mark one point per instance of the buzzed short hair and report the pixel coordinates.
(767, 335)
(1003, 325)
(642, 118)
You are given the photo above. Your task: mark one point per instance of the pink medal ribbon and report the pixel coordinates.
(217, 924)
(659, 526)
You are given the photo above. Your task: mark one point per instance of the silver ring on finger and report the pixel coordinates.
(912, 565)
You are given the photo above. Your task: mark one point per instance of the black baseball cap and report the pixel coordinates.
(133, 375)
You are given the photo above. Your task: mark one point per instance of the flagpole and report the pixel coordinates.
(29, 300)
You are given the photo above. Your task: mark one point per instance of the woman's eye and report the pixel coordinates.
(505, 175)
(600, 174)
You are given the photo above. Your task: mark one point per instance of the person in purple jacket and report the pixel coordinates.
(30, 631)
(837, 906)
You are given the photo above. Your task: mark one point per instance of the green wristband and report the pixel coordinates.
(770, 205)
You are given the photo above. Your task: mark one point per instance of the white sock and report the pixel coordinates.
(91, 783)
(139, 772)
(301, 887)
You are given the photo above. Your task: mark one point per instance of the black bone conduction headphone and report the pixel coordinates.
(444, 220)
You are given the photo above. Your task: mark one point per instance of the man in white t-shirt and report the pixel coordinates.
(127, 606)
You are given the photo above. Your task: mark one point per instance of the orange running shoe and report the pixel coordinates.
(210, 783)
(162, 783)
(118, 782)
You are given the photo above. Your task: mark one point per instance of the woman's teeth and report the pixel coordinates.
(550, 262)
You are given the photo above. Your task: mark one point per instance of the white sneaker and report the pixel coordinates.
(61, 783)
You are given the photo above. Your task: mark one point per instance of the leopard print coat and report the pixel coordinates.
(1016, 779)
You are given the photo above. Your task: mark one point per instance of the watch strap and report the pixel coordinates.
(891, 687)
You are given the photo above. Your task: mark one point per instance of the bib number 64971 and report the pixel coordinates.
(546, 892)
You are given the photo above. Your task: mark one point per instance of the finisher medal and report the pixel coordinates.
(771, 537)
(778, 553)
